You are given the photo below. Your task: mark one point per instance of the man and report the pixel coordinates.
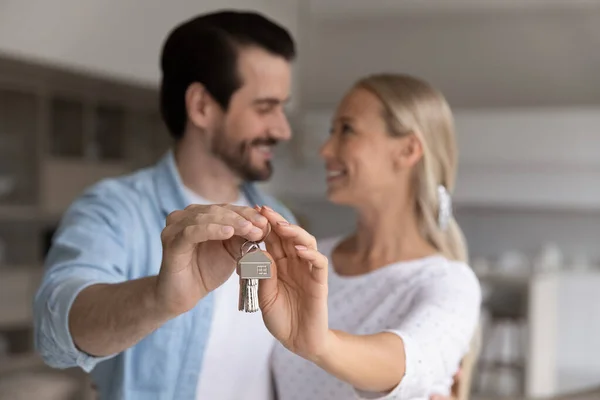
(152, 310)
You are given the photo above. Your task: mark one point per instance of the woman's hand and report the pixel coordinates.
(294, 301)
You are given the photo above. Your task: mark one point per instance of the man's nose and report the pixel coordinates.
(281, 129)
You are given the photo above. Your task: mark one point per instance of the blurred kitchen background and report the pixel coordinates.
(78, 102)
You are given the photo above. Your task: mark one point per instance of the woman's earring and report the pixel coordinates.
(445, 208)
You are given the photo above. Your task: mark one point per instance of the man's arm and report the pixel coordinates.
(88, 252)
(85, 309)
(109, 318)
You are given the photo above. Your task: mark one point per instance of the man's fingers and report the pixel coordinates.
(223, 215)
(175, 217)
(458, 374)
(199, 228)
(242, 227)
(234, 246)
(186, 238)
(251, 214)
(246, 221)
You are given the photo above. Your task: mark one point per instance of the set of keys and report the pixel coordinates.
(252, 266)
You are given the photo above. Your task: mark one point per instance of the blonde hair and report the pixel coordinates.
(411, 106)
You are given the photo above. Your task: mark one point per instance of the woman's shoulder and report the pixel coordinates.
(459, 269)
(452, 276)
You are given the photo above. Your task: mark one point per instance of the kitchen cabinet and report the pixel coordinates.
(61, 132)
(561, 333)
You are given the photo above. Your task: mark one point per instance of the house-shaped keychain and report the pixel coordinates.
(254, 265)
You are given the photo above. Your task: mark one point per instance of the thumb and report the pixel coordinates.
(268, 288)
(234, 247)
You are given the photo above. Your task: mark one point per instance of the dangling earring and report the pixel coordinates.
(445, 207)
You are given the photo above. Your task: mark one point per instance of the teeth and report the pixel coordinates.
(333, 174)
(264, 148)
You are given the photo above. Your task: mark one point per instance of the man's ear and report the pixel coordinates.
(408, 151)
(200, 105)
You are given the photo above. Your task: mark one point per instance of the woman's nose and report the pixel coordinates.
(327, 149)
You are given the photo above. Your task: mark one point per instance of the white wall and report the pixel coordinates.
(536, 158)
(492, 53)
(527, 177)
(331, 8)
(120, 38)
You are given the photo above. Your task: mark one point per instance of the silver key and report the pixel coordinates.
(252, 266)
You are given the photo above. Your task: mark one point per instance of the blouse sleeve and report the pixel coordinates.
(436, 331)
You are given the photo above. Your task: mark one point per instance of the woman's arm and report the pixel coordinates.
(373, 363)
(407, 359)
(423, 350)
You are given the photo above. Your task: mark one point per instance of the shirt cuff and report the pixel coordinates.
(59, 307)
(416, 380)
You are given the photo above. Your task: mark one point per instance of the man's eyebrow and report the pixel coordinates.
(344, 118)
(270, 101)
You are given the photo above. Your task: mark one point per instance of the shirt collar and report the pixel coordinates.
(170, 190)
(168, 185)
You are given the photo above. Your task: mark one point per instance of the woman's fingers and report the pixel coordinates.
(295, 233)
(278, 222)
(297, 242)
(319, 262)
(268, 288)
(273, 241)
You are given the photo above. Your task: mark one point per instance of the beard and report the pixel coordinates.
(236, 155)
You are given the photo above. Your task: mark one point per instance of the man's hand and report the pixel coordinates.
(200, 248)
(201, 245)
(454, 390)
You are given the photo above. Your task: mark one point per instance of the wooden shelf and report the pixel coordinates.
(61, 132)
(17, 289)
(63, 180)
(19, 362)
(10, 213)
(19, 213)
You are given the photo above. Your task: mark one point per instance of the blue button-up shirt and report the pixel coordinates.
(111, 234)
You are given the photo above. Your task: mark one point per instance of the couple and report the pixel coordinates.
(140, 286)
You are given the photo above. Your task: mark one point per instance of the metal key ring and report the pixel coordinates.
(254, 245)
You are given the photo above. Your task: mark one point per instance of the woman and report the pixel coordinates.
(389, 310)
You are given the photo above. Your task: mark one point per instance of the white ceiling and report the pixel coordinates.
(481, 53)
(336, 8)
(113, 38)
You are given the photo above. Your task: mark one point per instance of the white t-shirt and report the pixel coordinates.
(432, 303)
(236, 359)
